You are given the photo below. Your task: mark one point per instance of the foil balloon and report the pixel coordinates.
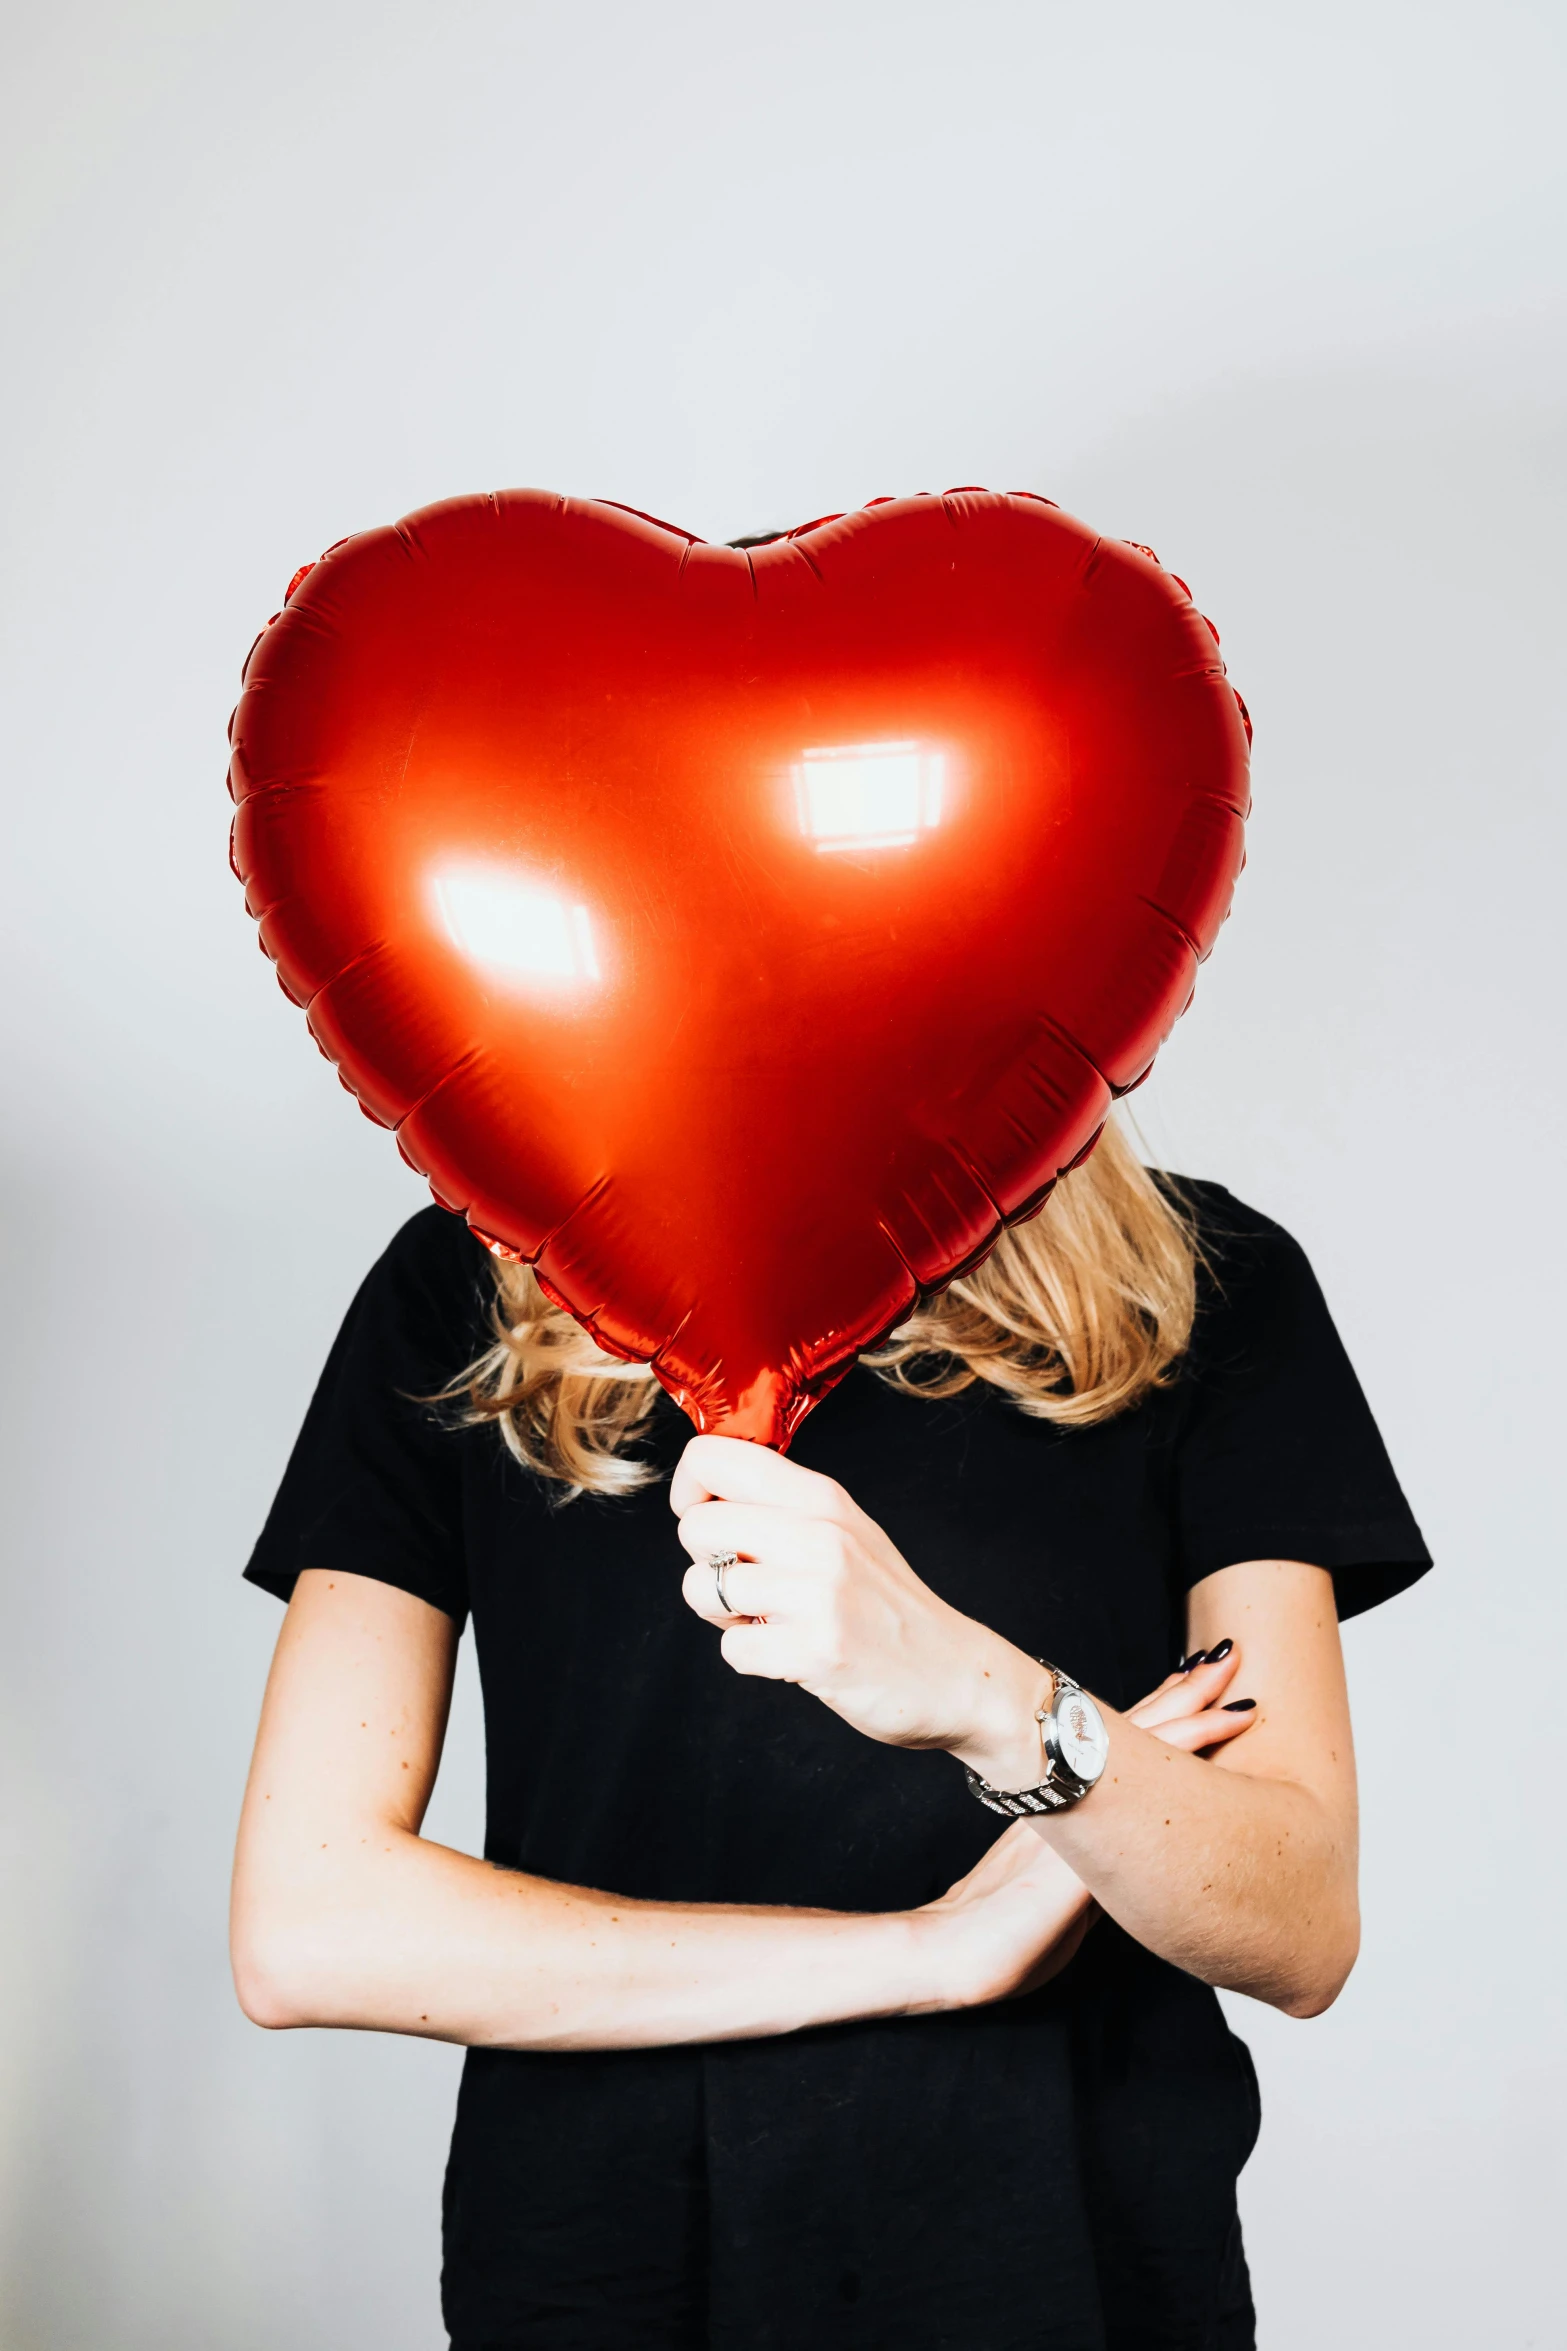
(742, 936)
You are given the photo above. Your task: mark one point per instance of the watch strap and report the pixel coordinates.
(1055, 1792)
(1017, 1803)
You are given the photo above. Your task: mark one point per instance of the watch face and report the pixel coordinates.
(1081, 1736)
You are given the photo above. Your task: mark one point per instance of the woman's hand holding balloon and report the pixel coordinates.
(819, 1595)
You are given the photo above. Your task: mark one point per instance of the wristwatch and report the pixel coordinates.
(1077, 1747)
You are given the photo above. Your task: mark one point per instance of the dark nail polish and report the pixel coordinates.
(1197, 1657)
(1222, 1650)
(1240, 1706)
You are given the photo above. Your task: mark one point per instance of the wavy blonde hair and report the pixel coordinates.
(1075, 1315)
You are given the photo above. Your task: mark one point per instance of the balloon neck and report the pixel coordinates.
(767, 1412)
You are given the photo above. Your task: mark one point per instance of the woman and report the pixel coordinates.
(776, 2034)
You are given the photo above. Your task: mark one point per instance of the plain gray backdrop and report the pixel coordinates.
(1278, 291)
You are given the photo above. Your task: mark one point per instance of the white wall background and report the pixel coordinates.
(1277, 290)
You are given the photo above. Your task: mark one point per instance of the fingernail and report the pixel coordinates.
(1240, 1706)
(1195, 1658)
(1222, 1650)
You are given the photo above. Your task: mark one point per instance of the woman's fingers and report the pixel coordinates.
(1187, 1693)
(779, 1559)
(1172, 1681)
(758, 1649)
(1192, 1710)
(751, 1529)
(749, 1644)
(743, 1584)
(732, 1470)
(1197, 1733)
(699, 1591)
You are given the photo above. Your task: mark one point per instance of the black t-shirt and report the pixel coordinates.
(1056, 2172)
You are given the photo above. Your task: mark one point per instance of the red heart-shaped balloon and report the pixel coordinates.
(743, 937)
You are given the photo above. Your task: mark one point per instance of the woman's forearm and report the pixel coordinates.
(343, 1914)
(1247, 1882)
(395, 1934)
(416, 1938)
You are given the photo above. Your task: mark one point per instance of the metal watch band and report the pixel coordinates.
(1014, 1803)
(1051, 1795)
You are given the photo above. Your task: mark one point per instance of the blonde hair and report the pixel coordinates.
(1075, 1315)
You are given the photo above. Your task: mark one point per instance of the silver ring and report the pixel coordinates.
(720, 1562)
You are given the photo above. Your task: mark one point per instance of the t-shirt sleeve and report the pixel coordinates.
(1277, 1455)
(374, 1484)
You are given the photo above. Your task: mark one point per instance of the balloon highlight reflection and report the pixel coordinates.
(869, 795)
(515, 931)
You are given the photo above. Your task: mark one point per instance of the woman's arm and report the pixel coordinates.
(344, 1915)
(1245, 1876)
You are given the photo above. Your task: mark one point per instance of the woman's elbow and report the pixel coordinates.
(1326, 1967)
(272, 1977)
